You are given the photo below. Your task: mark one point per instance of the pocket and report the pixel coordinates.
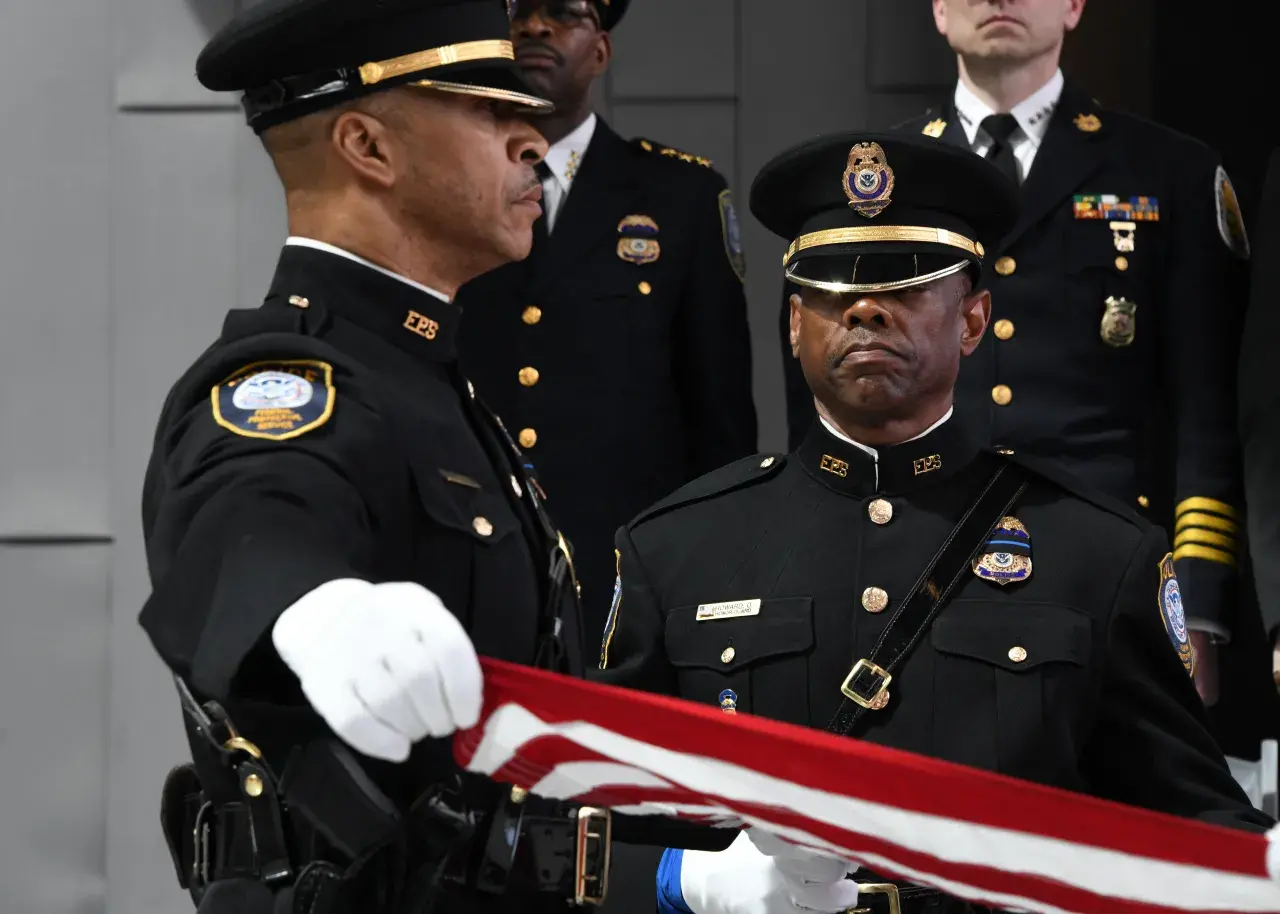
(762, 658)
(457, 502)
(1018, 637)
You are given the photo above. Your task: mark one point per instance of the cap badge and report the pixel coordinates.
(868, 179)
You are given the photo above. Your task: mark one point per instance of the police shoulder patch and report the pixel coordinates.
(1172, 614)
(275, 400)
(1230, 219)
(732, 235)
(611, 621)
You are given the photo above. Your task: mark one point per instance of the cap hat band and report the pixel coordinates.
(487, 49)
(865, 234)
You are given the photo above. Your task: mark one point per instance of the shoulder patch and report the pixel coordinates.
(1230, 219)
(1066, 481)
(1173, 616)
(732, 235)
(736, 475)
(275, 400)
(611, 621)
(670, 152)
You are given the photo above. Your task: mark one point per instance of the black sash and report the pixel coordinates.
(867, 685)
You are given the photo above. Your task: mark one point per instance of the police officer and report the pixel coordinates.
(335, 524)
(618, 352)
(1116, 301)
(891, 579)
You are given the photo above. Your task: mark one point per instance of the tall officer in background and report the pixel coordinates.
(1007, 616)
(618, 353)
(1116, 296)
(335, 524)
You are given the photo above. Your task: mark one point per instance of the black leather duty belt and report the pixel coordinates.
(879, 896)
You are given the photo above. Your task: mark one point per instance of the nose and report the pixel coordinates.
(532, 26)
(526, 144)
(867, 309)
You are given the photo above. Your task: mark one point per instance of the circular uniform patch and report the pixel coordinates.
(732, 235)
(1173, 615)
(277, 400)
(1230, 219)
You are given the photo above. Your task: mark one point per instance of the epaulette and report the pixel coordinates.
(736, 475)
(1077, 487)
(670, 153)
(240, 323)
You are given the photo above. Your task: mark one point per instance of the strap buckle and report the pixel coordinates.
(867, 685)
(593, 853)
(200, 856)
(879, 888)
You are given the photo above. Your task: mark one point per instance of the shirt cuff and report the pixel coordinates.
(670, 895)
(1218, 633)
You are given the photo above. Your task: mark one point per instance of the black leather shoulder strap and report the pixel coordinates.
(866, 688)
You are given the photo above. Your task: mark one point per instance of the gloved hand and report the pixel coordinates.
(744, 880)
(384, 664)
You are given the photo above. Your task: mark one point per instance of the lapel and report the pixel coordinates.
(601, 190)
(953, 133)
(1067, 156)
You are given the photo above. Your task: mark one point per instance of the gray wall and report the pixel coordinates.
(135, 208)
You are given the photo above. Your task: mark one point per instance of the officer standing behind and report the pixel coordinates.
(335, 525)
(1007, 617)
(1115, 298)
(618, 352)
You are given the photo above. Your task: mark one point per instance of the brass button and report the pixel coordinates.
(529, 376)
(482, 526)
(766, 463)
(1002, 394)
(516, 487)
(299, 301)
(880, 511)
(645, 288)
(727, 655)
(1017, 654)
(1144, 501)
(253, 786)
(532, 315)
(874, 600)
(1004, 329)
(1122, 263)
(1006, 265)
(528, 437)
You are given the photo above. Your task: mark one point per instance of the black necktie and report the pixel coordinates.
(1000, 128)
(540, 233)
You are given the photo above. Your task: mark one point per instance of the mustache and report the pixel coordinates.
(858, 342)
(533, 44)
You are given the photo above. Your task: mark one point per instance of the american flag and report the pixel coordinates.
(973, 834)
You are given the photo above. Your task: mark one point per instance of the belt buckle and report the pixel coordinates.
(591, 882)
(878, 888)
(878, 698)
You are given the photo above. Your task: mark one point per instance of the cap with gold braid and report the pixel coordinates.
(291, 58)
(872, 213)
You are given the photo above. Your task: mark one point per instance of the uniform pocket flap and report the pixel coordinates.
(1014, 636)
(455, 500)
(737, 633)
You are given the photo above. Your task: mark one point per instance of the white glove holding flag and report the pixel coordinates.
(744, 880)
(385, 665)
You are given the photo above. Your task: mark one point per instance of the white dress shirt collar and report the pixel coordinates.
(1033, 113)
(300, 242)
(564, 158)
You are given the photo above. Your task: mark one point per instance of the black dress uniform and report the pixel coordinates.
(788, 585)
(1117, 314)
(330, 434)
(618, 353)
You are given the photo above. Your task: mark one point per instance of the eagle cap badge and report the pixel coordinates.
(868, 179)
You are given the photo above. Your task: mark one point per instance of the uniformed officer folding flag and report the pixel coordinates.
(970, 833)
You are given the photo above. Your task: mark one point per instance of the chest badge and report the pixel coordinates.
(1006, 557)
(1119, 322)
(638, 243)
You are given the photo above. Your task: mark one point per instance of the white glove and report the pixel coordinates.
(742, 880)
(384, 664)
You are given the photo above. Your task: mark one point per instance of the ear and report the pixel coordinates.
(365, 145)
(940, 16)
(975, 310)
(1075, 9)
(794, 324)
(604, 52)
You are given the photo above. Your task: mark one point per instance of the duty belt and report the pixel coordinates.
(877, 895)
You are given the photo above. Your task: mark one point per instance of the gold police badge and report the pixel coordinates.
(868, 179)
(1119, 322)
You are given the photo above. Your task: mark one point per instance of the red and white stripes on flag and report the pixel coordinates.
(992, 839)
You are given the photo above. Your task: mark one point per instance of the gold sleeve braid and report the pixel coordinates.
(1206, 528)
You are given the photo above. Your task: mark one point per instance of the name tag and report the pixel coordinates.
(732, 610)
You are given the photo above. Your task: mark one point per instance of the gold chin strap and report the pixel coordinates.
(541, 105)
(873, 286)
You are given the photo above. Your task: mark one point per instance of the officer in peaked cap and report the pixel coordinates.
(890, 579)
(336, 526)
